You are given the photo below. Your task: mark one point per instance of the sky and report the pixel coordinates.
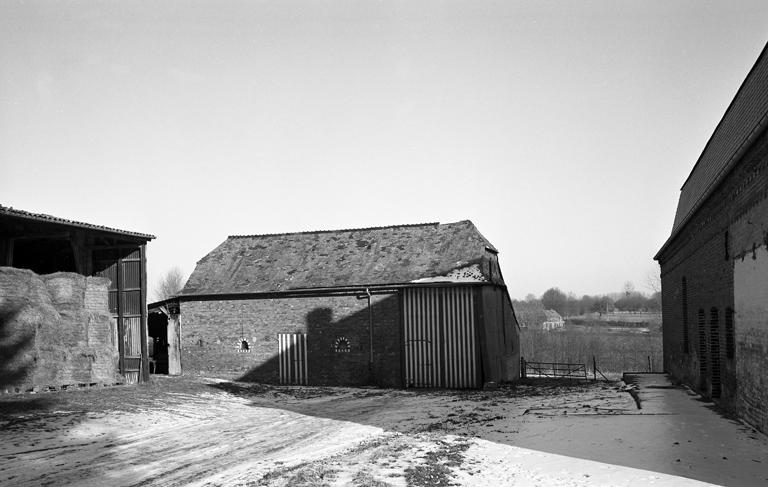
(563, 129)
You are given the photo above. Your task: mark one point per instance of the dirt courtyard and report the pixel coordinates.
(204, 431)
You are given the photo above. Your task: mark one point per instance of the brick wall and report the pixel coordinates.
(212, 332)
(729, 228)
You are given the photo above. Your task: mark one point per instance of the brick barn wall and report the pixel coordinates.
(717, 240)
(212, 333)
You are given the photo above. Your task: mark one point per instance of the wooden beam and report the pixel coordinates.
(45, 236)
(144, 331)
(8, 257)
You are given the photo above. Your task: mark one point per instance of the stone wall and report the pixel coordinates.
(55, 330)
(721, 255)
(213, 332)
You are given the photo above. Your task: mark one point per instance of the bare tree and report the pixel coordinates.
(653, 280)
(629, 288)
(170, 284)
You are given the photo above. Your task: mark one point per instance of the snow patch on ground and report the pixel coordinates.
(487, 463)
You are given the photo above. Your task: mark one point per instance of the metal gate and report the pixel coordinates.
(292, 356)
(439, 337)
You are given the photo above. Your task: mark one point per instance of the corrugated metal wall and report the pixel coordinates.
(440, 338)
(125, 304)
(292, 356)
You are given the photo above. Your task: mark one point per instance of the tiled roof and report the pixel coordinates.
(552, 315)
(26, 215)
(744, 118)
(529, 314)
(337, 258)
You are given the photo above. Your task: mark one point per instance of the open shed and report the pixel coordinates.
(55, 251)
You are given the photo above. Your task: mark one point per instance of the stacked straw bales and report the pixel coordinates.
(55, 330)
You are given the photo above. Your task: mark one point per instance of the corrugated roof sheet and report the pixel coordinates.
(337, 258)
(744, 115)
(5, 210)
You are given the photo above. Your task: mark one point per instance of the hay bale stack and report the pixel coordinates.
(25, 306)
(101, 330)
(54, 330)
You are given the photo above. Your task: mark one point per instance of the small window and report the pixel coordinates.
(714, 351)
(727, 246)
(342, 345)
(686, 341)
(729, 336)
(702, 345)
(244, 346)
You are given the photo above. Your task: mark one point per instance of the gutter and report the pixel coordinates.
(320, 291)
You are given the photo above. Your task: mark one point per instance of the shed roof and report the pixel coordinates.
(41, 217)
(742, 122)
(338, 258)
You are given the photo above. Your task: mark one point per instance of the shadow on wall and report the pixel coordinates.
(337, 352)
(16, 354)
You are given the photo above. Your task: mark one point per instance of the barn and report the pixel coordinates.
(714, 265)
(400, 306)
(72, 302)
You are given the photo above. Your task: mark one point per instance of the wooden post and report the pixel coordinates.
(594, 368)
(144, 357)
(9, 252)
(120, 304)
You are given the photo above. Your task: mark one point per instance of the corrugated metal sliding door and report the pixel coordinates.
(125, 305)
(292, 356)
(439, 337)
(130, 301)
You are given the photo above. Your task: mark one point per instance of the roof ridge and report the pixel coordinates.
(340, 230)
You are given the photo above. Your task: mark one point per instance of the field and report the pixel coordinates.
(616, 346)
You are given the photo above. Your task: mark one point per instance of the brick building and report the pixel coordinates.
(714, 266)
(411, 305)
(56, 275)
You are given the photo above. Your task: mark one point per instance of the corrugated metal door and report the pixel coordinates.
(125, 306)
(130, 300)
(292, 356)
(439, 337)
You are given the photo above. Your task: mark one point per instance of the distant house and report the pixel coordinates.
(714, 266)
(533, 316)
(47, 295)
(553, 320)
(403, 306)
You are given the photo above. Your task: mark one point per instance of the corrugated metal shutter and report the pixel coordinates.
(439, 337)
(125, 305)
(292, 357)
